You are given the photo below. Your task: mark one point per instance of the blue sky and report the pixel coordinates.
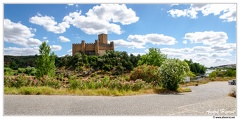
(205, 33)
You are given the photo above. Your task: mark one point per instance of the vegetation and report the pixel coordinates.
(171, 73)
(196, 68)
(114, 73)
(228, 72)
(45, 61)
(145, 72)
(154, 57)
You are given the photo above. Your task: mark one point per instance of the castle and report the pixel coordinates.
(98, 48)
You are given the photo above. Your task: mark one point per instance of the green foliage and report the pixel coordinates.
(21, 70)
(223, 73)
(171, 73)
(74, 84)
(45, 61)
(8, 71)
(213, 74)
(15, 62)
(154, 57)
(196, 68)
(31, 71)
(191, 74)
(145, 72)
(230, 72)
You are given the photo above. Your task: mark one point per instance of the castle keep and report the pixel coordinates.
(98, 48)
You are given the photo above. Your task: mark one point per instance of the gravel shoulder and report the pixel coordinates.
(207, 99)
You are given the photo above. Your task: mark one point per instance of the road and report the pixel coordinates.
(207, 99)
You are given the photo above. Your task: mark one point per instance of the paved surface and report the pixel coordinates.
(208, 99)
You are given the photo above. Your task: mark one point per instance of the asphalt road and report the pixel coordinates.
(208, 99)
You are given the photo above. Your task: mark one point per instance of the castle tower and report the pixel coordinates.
(103, 38)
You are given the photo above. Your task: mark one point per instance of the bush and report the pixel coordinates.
(21, 70)
(8, 71)
(30, 71)
(171, 73)
(74, 84)
(147, 73)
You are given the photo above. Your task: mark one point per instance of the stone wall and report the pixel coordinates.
(99, 47)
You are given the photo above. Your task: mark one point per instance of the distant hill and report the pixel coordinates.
(224, 66)
(15, 62)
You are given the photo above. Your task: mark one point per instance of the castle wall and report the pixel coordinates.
(98, 48)
(89, 47)
(76, 48)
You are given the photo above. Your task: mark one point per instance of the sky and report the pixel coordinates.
(205, 33)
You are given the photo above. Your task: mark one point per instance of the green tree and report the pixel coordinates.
(196, 68)
(171, 73)
(154, 57)
(45, 61)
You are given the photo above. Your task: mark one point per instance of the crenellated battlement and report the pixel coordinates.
(100, 46)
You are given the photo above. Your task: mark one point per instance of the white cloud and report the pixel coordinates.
(228, 47)
(185, 42)
(55, 47)
(227, 12)
(70, 4)
(15, 51)
(123, 43)
(91, 25)
(160, 39)
(44, 38)
(138, 41)
(49, 23)
(114, 13)
(63, 39)
(206, 55)
(19, 34)
(69, 51)
(207, 37)
(102, 19)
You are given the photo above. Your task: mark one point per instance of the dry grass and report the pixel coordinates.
(62, 91)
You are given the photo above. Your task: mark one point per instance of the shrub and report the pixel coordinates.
(8, 71)
(147, 73)
(21, 70)
(30, 71)
(171, 73)
(74, 84)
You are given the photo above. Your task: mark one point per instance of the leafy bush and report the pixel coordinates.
(31, 71)
(74, 84)
(21, 70)
(171, 73)
(147, 73)
(8, 71)
(154, 57)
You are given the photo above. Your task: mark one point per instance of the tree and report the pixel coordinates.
(171, 73)
(45, 61)
(154, 57)
(196, 68)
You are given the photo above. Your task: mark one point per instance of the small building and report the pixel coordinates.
(99, 47)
